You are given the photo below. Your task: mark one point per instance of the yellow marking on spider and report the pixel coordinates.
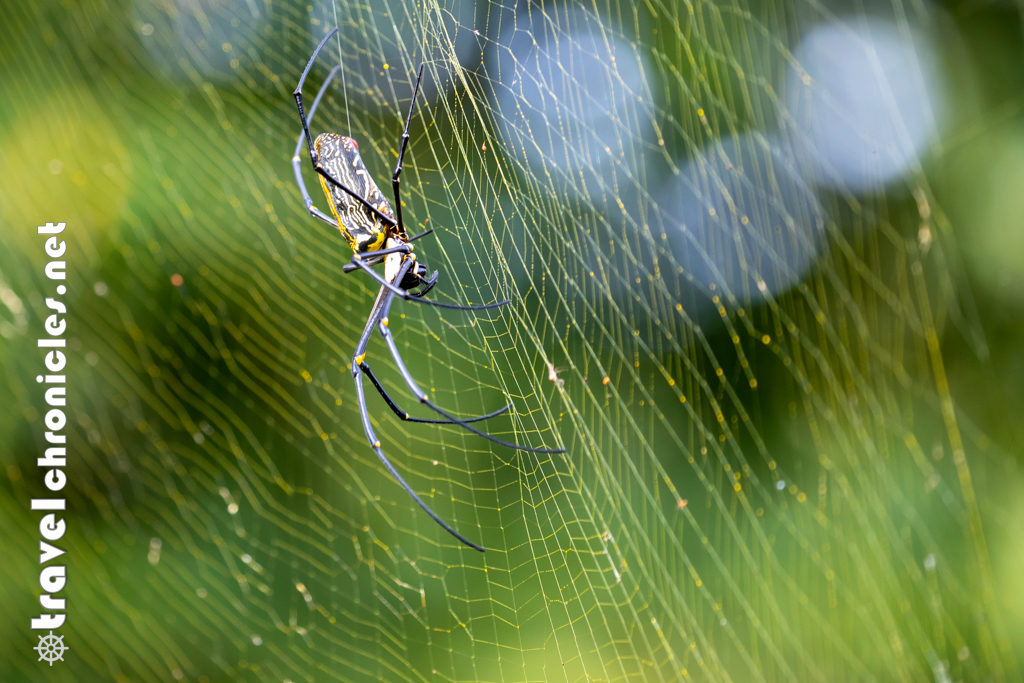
(384, 321)
(359, 359)
(376, 444)
(378, 242)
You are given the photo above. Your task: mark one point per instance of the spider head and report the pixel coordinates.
(417, 276)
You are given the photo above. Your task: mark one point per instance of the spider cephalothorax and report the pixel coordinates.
(377, 235)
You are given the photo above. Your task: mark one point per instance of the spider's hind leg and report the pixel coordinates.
(375, 445)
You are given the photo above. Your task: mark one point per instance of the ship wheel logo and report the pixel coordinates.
(51, 648)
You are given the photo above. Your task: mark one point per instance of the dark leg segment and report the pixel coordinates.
(401, 153)
(427, 286)
(349, 267)
(405, 416)
(374, 258)
(298, 94)
(422, 397)
(400, 249)
(297, 157)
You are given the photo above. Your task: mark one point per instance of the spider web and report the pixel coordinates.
(733, 323)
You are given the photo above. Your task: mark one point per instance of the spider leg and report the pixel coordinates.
(297, 157)
(313, 157)
(375, 444)
(375, 258)
(428, 285)
(379, 308)
(401, 152)
(298, 94)
(399, 249)
(422, 397)
(349, 267)
(358, 260)
(376, 261)
(405, 416)
(422, 234)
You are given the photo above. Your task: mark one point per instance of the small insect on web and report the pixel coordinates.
(553, 375)
(377, 236)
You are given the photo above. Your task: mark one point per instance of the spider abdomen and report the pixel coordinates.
(339, 156)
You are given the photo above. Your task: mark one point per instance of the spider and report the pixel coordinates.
(377, 235)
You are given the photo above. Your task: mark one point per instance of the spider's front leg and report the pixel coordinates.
(359, 260)
(297, 157)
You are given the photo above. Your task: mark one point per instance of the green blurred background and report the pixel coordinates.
(817, 481)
